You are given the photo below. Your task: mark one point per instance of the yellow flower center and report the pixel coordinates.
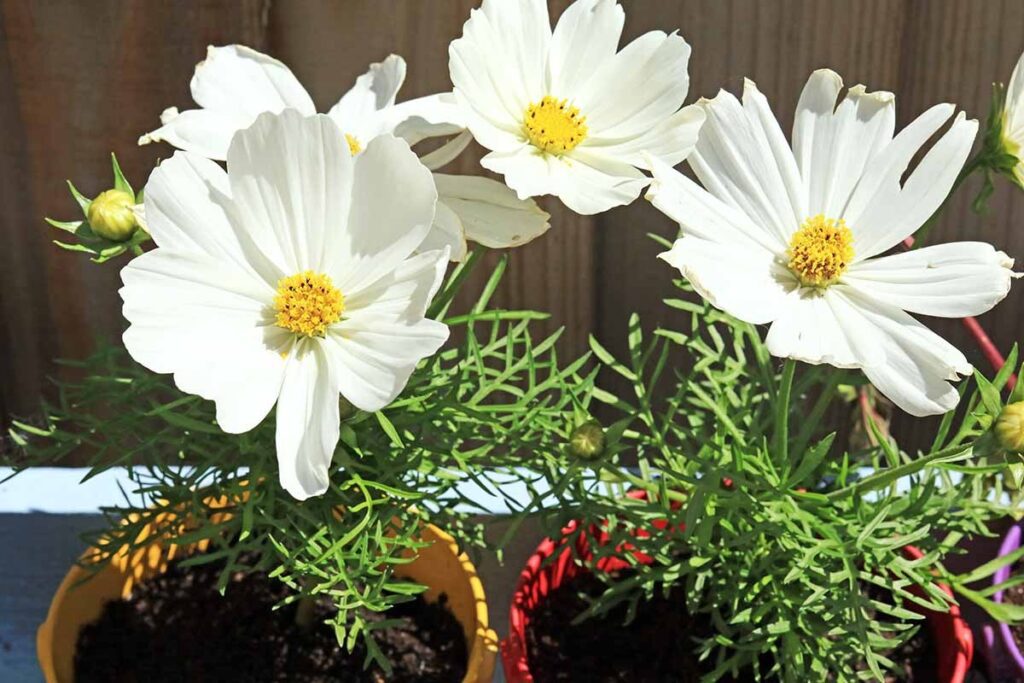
(353, 144)
(820, 251)
(553, 127)
(306, 303)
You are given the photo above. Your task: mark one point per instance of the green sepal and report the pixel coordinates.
(82, 200)
(120, 182)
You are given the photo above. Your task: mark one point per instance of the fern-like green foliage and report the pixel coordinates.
(787, 539)
(484, 405)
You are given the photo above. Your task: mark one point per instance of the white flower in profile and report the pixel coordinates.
(235, 84)
(798, 238)
(287, 280)
(564, 112)
(1012, 121)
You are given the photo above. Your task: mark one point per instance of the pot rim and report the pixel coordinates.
(539, 577)
(1011, 541)
(482, 646)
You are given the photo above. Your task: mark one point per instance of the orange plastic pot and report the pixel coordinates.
(79, 600)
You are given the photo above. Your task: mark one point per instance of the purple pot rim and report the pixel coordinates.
(1011, 541)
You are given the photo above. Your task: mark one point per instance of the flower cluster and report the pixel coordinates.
(298, 271)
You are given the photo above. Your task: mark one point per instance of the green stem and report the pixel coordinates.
(625, 477)
(782, 412)
(887, 476)
(305, 613)
(976, 162)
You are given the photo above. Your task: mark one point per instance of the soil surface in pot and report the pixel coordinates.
(657, 646)
(177, 627)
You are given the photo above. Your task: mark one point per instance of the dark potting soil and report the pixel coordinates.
(916, 659)
(177, 627)
(656, 647)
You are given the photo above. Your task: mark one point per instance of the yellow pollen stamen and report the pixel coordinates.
(552, 126)
(353, 144)
(820, 251)
(306, 303)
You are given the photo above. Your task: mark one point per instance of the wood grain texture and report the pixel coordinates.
(82, 79)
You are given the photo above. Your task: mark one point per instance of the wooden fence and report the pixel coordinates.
(81, 79)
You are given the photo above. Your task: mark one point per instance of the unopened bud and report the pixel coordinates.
(112, 216)
(587, 440)
(1010, 427)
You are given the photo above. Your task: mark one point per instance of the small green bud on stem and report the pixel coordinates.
(587, 440)
(111, 215)
(1010, 427)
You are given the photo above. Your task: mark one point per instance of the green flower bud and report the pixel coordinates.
(1010, 427)
(587, 440)
(111, 215)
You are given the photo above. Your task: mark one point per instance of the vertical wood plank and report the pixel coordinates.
(952, 52)
(81, 80)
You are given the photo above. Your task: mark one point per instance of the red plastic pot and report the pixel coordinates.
(953, 639)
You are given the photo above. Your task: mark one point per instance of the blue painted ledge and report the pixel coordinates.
(44, 512)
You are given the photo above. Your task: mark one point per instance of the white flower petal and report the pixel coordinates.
(237, 79)
(586, 36)
(506, 136)
(736, 160)
(1013, 112)
(358, 110)
(446, 233)
(703, 215)
(489, 212)
(393, 197)
(918, 364)
(188, 208)
(206, 132)
(376, 355)
(205, 322)
(746, 283)
(499, 65)
(813, 133)
(817, 327)
(585, 182)
(292, 180)
(308, 422)
(862, 126)
(636, 89)
(427, 117)
(671, 141)
(952, 280)
(446, 153)
(403, 294)
(882, 213)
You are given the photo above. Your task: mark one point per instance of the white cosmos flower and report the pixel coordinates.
(1013, 120)
(287, 280)
(235, 84)
(797, 238)
(564, 112)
